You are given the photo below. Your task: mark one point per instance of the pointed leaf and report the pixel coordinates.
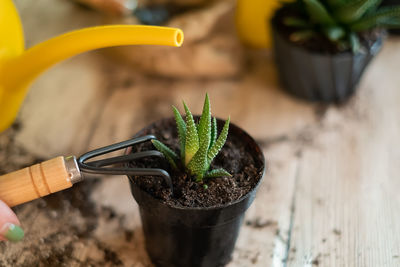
(213, 132)
(167, 152)
(393, 23)
(204, 127)
(385, 17)
(318, 12)
(181, 125)
(198, 165)
(192, 139)
(217, 173)
(354, 10)
(219, 143)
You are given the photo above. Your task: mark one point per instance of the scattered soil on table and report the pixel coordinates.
(236, 157)
(318, 43)
(259, 224)
(337, 232)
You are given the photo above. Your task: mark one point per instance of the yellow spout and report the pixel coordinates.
(18, 70)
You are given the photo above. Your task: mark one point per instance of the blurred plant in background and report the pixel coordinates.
(340, 21)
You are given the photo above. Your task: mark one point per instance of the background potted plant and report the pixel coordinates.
(323, 47)
(214, 178)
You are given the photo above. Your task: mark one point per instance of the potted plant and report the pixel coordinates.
(323, 47)
(215, 178)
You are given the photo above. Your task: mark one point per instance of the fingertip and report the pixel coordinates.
(9, 224)
(7, 215)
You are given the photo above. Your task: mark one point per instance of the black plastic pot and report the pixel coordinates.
(194, 237)
(316, 76)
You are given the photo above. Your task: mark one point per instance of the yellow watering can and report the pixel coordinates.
(19, 67)
(252, 21)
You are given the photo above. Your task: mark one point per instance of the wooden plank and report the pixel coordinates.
(338, 168)
(346, 201)
(263, 238)
(134, 104)
(115, 102)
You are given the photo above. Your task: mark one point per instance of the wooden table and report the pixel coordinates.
(330, 197)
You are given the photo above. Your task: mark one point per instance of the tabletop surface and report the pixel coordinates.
(329, 196)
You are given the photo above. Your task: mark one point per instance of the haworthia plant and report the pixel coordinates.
(339, 20)
(199, 143)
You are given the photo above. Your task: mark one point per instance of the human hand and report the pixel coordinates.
(9, 224)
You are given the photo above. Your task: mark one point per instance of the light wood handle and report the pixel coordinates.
(34, 182)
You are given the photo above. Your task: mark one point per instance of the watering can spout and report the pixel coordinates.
(19, 68)
(37, 59)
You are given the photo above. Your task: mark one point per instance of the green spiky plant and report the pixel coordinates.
(199, 143)
(339, 21)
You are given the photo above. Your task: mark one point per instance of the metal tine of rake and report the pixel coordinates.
(99, 166)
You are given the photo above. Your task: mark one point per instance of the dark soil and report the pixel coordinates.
(319, 43)
(236, 157)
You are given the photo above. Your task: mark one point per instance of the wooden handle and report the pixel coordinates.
(34, 182)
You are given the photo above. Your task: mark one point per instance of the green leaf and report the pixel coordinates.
(180, 123)
(217, 173)
(213, 132)
(219, 143)
(318, 12)
(295, 22)
(354, 42)
(385, 17)
(198, 165)
(336, 3)
(204, 127)
(167, 152)
(334, 33)
(354, 10)
(192, 139)
(393, 23)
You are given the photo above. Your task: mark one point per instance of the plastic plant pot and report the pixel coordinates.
(194, 236)
(321, 77)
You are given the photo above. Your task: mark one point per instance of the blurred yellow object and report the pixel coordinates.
(18, 68)
(252, 21)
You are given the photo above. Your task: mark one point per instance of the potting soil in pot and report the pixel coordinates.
(235, 157)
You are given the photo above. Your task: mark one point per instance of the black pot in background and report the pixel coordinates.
(195, 237)
(316, 76)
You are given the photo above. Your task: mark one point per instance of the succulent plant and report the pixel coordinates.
(340, 20)
(199, 143)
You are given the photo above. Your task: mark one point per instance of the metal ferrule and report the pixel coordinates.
(73, 169)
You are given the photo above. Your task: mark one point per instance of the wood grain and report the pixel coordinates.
(330, 197)
(346, 205)
(34, 182)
